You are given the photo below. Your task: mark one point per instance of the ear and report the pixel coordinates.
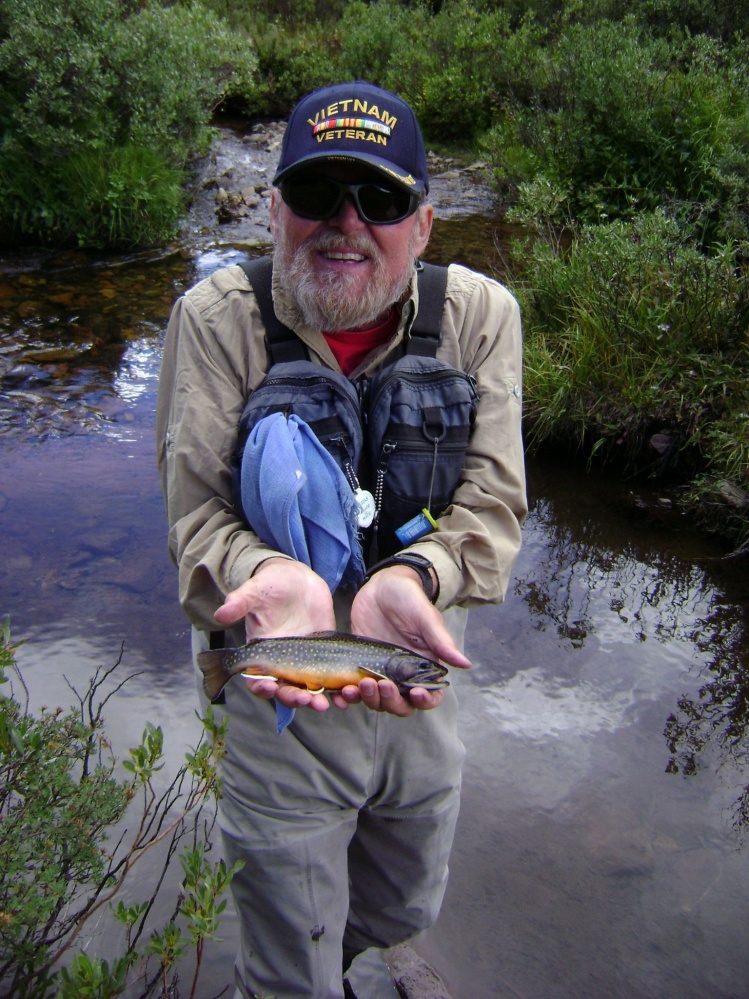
(275, 205)
(422, 229)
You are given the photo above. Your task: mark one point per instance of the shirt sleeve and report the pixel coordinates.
(201, 395)
(479, 535)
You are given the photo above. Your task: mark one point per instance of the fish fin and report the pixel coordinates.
(211, 663)
(248, 673)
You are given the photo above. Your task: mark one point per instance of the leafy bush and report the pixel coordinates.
(289, 66)
(387, 43)
(634, 329)
(60, 798)
(454, 67)
(83, 84)
(623, 121)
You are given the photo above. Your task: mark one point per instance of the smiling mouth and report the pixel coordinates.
(357, 258)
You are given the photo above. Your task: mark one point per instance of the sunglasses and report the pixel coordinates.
(313, 196)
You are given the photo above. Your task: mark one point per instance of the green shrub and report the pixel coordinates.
(60, 798)
(54, 75)
(623, 122)
(633, 330)
(173, 67)
(289, 66)
(86, 83)
(389, 44)
(454, 67)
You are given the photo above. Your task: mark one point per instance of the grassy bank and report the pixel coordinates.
(618, 133)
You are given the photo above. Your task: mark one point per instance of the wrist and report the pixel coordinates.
(270, 560)
(419, 564)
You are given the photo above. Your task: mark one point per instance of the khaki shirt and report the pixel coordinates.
(215, 356)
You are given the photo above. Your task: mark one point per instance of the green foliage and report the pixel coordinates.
(289, 66)
(454, 67)
(623, 120)
(633, 329)
(174, 65)
(60, 799)
(120, 197)
(388, 44)
(94, 92)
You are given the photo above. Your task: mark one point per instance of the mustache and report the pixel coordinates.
(357, 243)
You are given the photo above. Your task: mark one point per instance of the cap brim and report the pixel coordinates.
(407, 181)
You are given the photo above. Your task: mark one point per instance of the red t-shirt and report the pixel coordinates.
(352, 346)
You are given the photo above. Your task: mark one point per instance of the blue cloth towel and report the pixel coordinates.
(298, 501)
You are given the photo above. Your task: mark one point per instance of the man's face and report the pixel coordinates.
(343, 272)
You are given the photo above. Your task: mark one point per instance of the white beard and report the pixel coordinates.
(334, 302)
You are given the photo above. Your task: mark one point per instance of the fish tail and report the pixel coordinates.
(215, 675)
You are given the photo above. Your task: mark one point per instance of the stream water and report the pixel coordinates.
(600, 846)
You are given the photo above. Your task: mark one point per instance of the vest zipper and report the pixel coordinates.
(387, 449)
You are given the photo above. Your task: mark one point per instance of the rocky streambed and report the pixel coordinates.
(231, 195)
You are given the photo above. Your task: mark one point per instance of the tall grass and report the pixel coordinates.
(634, 331)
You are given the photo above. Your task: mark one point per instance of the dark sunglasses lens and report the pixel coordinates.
(311, 197)
(315, 197)
(384, 204)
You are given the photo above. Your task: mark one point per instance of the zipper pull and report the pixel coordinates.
(365, 504)
(387, 449)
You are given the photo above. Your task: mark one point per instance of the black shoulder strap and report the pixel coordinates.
(284, 345)
(425, 335)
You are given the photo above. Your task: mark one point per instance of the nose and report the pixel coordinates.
(347, 217)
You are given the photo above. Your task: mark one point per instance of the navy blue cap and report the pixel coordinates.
(356, 121)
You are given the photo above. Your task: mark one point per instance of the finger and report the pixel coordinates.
(298, 697)
(425, 700)
(443, 647)
(340, 701)
(266, 689)
(291, 697)
(350, 694)
(383, 695)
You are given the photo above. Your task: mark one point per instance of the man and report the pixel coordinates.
(345, 821)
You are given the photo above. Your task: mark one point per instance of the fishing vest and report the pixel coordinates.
(399, 436)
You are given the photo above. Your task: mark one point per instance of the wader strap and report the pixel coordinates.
(284, 345)
(425, 335)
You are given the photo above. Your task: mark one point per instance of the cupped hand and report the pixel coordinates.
(284, 597)
(393, 607)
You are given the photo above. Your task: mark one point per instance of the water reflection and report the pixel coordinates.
(586, 863)
(71, 334)
(710, 728)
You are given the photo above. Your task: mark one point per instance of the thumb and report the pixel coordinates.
(234, 608)
(442, 642)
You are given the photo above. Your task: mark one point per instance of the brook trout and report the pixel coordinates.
(327, 660)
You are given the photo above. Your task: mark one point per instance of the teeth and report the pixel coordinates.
(345, 256)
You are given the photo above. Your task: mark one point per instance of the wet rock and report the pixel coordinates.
(663, 443)
(232, 198)
(54, 355)
(733, 495)
(414, 978)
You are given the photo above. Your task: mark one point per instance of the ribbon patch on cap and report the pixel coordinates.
(335, 122)
(331, 124)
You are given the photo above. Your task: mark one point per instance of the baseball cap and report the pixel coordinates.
(356, 121)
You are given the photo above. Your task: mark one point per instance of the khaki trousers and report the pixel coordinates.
(344, 824)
